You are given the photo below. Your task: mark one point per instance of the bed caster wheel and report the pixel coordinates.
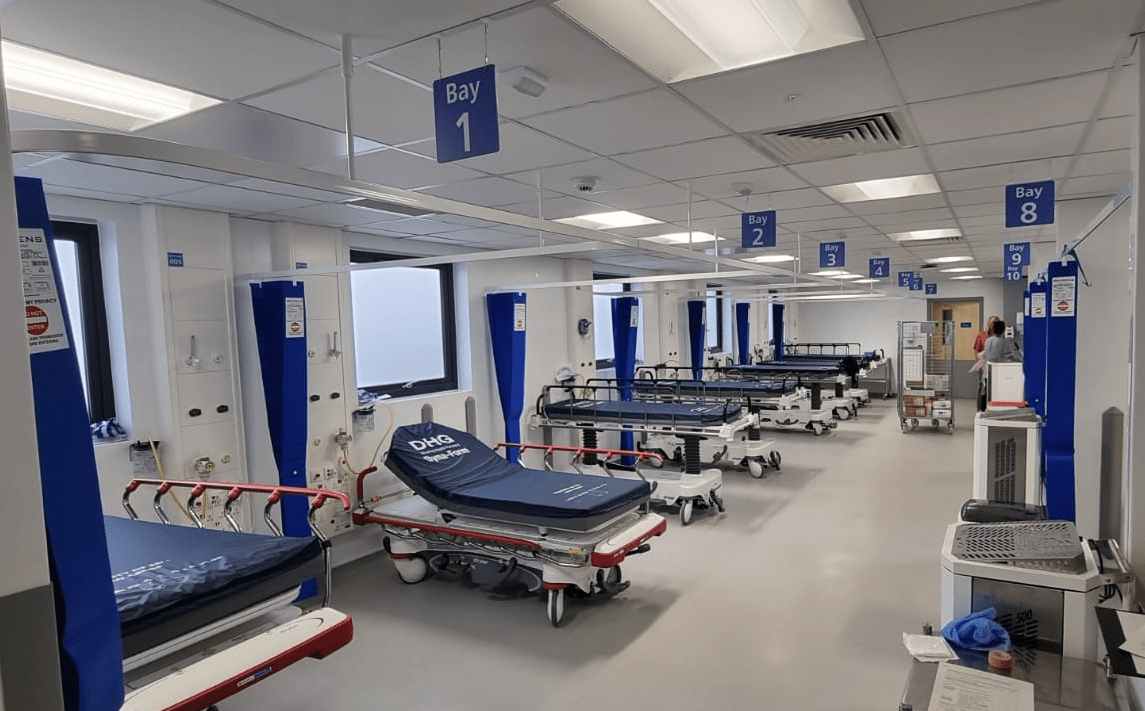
(755, 468)
(717, 501)
(905, 427)
(817, 428)
(687, 508)
(412, 570)
(775, 460)
(611, 580)
(950, 428)
(556, 606)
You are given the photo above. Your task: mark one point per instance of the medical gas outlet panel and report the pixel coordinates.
(200, 430)
(332, 394)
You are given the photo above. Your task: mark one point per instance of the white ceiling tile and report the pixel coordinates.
(1120, 101)
(1002, 175)
(692, 160)
(978, 196)
(399, 169)
(1103, 163)
(375, 26)
(386, 110)
(578, 68)
(610, 176)
(940, 213)
(762, 182)
(644, 196)
(880, 207)
(908, 225)
(1009, 148)
(79, 174)
(1033, 43)
(890, 16)
(485, 191)
(192, 45)
(836, 82)
(632, 123)
(828, 225)
(333, 215)
(556, 208)
(885, 164)
(1110, 134)
(416, 226)
(236, 200)
(1095, 185)
(522, 149)
(995, 209)
(679, 213)
(71, 191)
(823, 212)
(268, 186)
(791, 199)
(1022, 108)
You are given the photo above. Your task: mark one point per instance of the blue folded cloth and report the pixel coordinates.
(977, 631)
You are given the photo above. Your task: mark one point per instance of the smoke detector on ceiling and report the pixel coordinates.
(585, 183)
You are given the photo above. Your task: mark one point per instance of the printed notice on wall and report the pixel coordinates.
(1063, 296)
(295, 317)
(634, 317)
(43, 313)
(1038, 304)
(518, 317)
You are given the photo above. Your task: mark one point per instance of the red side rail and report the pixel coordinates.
(549, 449)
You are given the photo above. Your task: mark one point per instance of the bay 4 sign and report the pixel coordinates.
(832, 254)
(758, 229)
(465, 114)
(879, 267)
(1030, 204)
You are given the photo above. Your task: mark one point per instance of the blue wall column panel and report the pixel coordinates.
(279, 306)
(777, 329)
(507, 333)
(697, 311)
(625, 321)
(1061, 389)
(87, 620)
(1034, 342)
(743, 333)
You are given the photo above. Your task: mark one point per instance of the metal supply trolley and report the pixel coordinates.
(926, 372)
(880, 377)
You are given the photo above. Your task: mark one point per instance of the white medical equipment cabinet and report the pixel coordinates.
(1040, 577)
(926, 369)
(1008, 457)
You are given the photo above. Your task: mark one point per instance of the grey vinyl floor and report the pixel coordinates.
(796, 598)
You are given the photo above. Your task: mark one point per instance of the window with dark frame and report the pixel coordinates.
(405, 334)
(602, 314)
(714, 334)
(81, 275)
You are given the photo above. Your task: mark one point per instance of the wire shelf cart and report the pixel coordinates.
(926, 372)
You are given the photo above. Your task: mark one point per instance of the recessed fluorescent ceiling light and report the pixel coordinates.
(968, 276)
(883, 189)
(770, 258)
(608, 220)
(924, 234)
(682, 238)
(390, 207)
(867, 280)
(50, 85)
(848, 275)
(685, 39)
(830, 273)
(958, 270)
(948, 260)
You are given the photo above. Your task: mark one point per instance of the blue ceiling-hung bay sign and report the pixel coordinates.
(931, 287)
(916, 283)
(906, 278)
(1013, 273)
(465, 114)
(1030, 204)
(1017, 254)
(879, 267)
(758, 229)
(832, 255)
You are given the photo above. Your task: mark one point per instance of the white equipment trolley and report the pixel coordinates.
(926, 372)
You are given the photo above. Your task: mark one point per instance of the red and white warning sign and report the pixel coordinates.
(1038, 304)
(295, 317)
(1063, 294)
(37, 320)
(43, 312)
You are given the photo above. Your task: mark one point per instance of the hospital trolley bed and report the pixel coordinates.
(852, 360)
(474, 512)
(831, 382)
(206, 613)
(693, 433)
(780, 403)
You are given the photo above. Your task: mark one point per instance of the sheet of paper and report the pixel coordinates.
(1131, 621)
(962, 689)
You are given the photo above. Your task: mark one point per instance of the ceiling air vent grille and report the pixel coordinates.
(835, 139)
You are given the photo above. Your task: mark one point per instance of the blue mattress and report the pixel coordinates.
(719, 388)
(642, 412)
(456, 471)
(163, 571)
(785, 367)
